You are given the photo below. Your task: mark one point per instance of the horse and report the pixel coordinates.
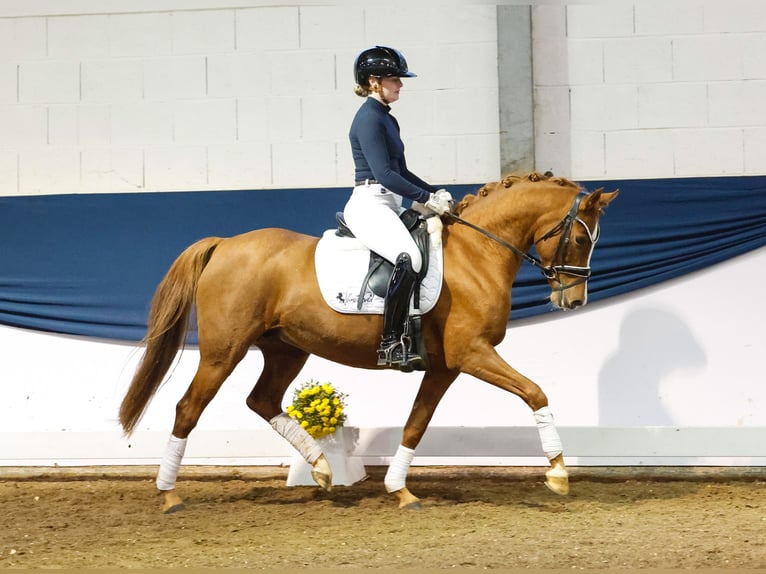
(259, 289)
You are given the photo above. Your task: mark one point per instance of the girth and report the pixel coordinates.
(380, 269)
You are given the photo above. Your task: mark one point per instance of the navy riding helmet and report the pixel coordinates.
(381, 62)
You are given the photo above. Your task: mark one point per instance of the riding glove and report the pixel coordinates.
(440, 202)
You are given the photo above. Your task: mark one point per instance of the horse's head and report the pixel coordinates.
(565, 248)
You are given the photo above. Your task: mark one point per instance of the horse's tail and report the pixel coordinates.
(168, 321)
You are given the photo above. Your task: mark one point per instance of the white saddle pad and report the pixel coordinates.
(342, 264)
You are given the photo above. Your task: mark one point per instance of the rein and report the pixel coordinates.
(550, 272)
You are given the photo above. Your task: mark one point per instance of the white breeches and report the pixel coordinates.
(372, 214)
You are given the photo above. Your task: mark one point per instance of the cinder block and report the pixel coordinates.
(600, 20)
(708, 58)
(238, 75)
(176, 168)
(94, 124)
(327, 27)
(755, 150)
(9, 172)
(8, 84)
(78, 36)
(62, 124)
(638, 60)
(272, 28)
(304, 164)
(586, 61)
(203, 31)
(23, 125)
(550, 46)
(552, 152)
(735, 16)
(670, 18)
(23, 38)
(49, 82)
(552, 110)
(701, 152)
(116, 80)
(437, 67)
(434, 158)
(638, 153)
(461, 22)
(113, 169)
(204, 121)
(47, 170)
(323, 118)
(672, 105)
(588, 155)
(604, 108)
(132, 35)
(415, 112)
(271, 119)
(239, 166)
(174, 78)
(737, 103)
(475, 66)
(754, 63)
(295, 72)
(408, 19)
(147, 123)
(478, 160)
(458, 112)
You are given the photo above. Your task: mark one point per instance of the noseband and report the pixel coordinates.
(559, 265)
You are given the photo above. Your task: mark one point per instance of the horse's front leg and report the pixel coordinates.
(432, 389)
(484, 363)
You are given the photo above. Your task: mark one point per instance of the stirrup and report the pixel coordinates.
(397, 354)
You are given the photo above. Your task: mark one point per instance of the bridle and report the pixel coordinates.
(559, 265)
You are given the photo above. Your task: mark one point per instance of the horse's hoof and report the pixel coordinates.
(322, 473)
(557, 480)
(417, 505)
(322, 479)
(171, 502)
(174, 508)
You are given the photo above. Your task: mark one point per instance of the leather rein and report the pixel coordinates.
(564, 227)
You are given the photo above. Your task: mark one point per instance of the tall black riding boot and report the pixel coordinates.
(395, 344)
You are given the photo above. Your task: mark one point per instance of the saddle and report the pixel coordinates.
(380, 269)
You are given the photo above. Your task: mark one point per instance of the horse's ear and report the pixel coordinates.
(598, 200)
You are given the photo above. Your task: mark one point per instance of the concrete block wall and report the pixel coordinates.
(651, 89)
(135, 96)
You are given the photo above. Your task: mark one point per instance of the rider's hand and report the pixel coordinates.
(440, 202)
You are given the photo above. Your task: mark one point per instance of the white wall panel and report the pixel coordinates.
(49, 82)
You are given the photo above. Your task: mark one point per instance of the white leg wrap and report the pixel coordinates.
(171, 462)
(549, 436)
(396, 476)
(297, 436)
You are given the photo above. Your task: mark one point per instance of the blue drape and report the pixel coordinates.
(88, 264)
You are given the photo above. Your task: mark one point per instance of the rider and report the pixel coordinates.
(382, 181)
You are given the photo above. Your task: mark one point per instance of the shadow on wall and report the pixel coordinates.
(653, 343)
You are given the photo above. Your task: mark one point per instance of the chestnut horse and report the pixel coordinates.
(258, 288)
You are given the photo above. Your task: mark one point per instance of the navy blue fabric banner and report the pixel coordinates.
(88, 264)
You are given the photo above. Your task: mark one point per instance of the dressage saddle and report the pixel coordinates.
(380, 269)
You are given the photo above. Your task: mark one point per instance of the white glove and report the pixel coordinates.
(440, 202)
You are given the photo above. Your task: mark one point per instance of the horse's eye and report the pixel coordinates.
(581, 240)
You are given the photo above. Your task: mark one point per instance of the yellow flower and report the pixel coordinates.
(318, 407)
(304, 424)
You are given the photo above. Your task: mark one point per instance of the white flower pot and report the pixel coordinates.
(337, 448)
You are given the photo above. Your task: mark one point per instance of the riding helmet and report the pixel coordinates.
(382, 62)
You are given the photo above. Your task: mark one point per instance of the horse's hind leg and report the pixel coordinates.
(281, 364)
(208, 379)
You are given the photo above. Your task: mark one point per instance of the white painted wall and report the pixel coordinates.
(130, 96)
(651, 89)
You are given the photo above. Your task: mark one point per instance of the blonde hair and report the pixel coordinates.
(362, 91)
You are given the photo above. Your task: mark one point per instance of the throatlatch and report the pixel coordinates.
(396, 346)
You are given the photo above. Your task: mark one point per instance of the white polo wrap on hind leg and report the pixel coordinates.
(549, 436)
(396, 476)
(297, 436)
(171, 462)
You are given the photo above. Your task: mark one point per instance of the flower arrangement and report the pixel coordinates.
(318, 407)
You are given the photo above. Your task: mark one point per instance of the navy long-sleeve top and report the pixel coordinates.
(378, 152)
